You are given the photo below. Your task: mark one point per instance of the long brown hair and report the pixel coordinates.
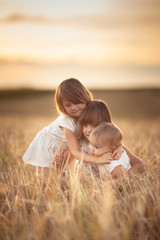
(73, 91)
(96, 112)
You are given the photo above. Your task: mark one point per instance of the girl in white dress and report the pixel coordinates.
(71, 99)
(96, 113)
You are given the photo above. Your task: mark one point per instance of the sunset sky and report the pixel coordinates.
(103, 43)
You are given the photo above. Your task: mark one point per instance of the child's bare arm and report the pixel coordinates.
(137, 165)
(117, 153)
(73, 145)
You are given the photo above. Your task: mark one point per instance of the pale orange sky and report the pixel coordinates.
(105, 44)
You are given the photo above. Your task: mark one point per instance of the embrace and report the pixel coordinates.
(83, 133)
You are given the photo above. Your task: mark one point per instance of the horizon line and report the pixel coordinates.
(90, 88)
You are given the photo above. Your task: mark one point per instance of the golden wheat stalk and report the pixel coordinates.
(60, 149)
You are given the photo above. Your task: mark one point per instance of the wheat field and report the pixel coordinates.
(88, 208)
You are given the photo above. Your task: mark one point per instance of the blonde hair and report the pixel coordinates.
(95, 113)
(73, 91)
(108, 133)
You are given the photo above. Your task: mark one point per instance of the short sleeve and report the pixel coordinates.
(68, 123)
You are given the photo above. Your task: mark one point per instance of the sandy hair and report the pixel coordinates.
(96, 112)
(107, 134)
(73, 91)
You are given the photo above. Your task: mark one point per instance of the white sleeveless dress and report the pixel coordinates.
(48, 141)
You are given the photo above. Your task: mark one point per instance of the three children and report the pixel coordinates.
(75, 104)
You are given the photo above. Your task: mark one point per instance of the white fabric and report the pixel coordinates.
(124, 161)
(48, 141)
(107, 168)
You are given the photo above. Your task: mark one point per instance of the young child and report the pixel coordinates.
(94, 114)
(71, 99)
(105, 138)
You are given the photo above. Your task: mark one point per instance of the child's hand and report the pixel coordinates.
(57, 157)
(117, 153)
(104, 159)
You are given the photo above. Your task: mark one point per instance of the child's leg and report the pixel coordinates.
(119, 172)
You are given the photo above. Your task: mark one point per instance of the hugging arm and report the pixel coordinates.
(137, 165)
(117, 152)
(73, 145)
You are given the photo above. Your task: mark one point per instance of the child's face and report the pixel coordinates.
(87, 129)
(72, 109)
(96, 148)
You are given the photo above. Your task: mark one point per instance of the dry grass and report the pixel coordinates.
(89, 208)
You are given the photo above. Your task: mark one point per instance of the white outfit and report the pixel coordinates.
(124, 161)
(104, 169)
(48, 141)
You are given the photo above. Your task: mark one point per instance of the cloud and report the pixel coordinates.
(98, 21)
(122, 13)
(17, 17)
(66, 62)
(2, 2)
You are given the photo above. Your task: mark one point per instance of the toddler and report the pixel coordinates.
(95, 113)
(105, 138)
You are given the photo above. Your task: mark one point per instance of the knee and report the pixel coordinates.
(119, 171)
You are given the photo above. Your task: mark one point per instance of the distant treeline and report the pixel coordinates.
(18, 93)
(133, 103)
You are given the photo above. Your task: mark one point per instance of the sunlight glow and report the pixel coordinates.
(85, 41)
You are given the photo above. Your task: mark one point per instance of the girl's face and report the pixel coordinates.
(87, 129)
(96, 148)
(72, 109)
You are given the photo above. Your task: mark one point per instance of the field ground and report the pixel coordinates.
(30, 209)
